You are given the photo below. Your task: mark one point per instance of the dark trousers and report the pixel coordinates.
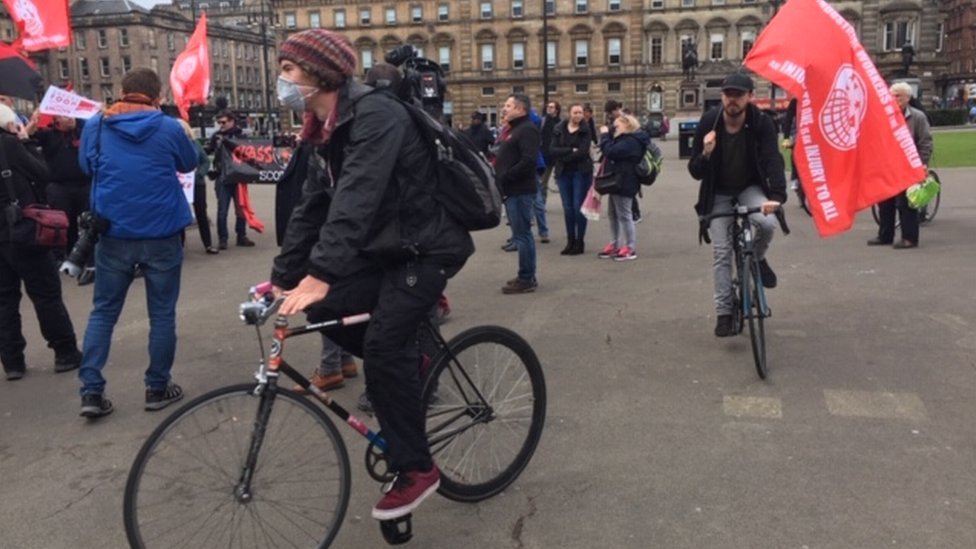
(37, 272)
(908, 216)
(399, 299)
(225, 195)
(73, 199)
(200, 212)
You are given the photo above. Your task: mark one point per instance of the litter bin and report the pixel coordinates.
(686, 138)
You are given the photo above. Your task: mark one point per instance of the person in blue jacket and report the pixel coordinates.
(133, 152)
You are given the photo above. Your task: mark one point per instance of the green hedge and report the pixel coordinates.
(953, 117)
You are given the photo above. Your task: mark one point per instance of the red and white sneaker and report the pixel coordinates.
(625, 254)
(409, 490)
(608, 251)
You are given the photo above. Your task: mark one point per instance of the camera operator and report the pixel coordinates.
(31, 267)
(226, 192)
(134, 151)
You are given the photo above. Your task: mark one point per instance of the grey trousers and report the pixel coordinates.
(719, 231)
(621, 215)
(333, 357)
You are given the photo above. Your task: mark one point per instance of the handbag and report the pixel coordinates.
(34, 225)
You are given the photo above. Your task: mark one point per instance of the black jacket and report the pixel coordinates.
(29, 175)
(549, 124)
(515, 161)
(367, 201)
(562, 145)
(763, 143)
(60, 152)
(480, 136)
(213, 147)
(621, 154)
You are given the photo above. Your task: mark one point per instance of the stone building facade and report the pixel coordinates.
(628, 50)
(958, 84)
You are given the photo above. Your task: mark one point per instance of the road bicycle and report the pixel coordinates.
(257, 465)
(748, 295)
(926, 214)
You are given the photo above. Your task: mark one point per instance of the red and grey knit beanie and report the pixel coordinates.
(327, 55)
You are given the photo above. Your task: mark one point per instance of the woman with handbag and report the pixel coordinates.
(622, 151)
(570, 148)
(31, 266)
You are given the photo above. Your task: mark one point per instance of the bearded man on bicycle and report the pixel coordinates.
(368, 236)
(736, 156)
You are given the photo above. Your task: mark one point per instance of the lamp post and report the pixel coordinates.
(266, 84)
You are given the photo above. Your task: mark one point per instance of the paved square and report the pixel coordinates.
(875, 404)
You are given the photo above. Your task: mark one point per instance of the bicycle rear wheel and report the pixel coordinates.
(755, 311)
(182, 489)
(486, 410)
(927, 213)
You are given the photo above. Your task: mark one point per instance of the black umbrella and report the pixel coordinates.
(20, 78)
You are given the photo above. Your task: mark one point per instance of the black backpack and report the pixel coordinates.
(465, 180)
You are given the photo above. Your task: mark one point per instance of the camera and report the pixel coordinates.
(89, 227)
(423, 79)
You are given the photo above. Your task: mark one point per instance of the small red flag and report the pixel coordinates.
(853, 148)
(43, 25)
(190, 77)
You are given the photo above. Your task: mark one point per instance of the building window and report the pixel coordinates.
(613, 5)
(291, 20)
(314, 19)
(391, 16)
(80, 40)
(486, 10)
(366, 59)
(657, 4)
(582, 53)
(444, 57)
(518, 9)
(103, 67)
(364, 17)
(897, 34)
(107, 94)
(657, 50)
(613, 87)
(552, 88)
(170, 41)
(687, 3)
(153, 64)
(487, 57)
(416, 14)
(518, 56)
(124, 37)
(582, 88)
(940, 29)
(718, 2)
(717, 50)
(518, 89)
(240, 51)
(551, 54)
(748, 40)
(550, 7)
(582, 6)
(63, 68)
(339, 17)
(102, 38)
(126, 64)
(487, 91)
(613, 51)
(442, 12)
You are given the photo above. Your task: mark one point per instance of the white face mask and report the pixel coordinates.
(291, 95)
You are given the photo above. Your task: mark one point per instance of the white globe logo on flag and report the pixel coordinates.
(27, 12)
(843, 112)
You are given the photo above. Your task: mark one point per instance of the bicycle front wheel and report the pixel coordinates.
(757, 314)
(185, 486)
(486, 401)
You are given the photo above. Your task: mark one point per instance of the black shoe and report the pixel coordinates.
(723, 327)
(544, 239)
(245, 242)
(87, 276)
(15, 374)
(878, 242)
(768, 276)
(222, 245)
(364, 404)
(905, 244)
(65, 362)
(95, 406)
(159, 399)
(578, 249)
(570, 246)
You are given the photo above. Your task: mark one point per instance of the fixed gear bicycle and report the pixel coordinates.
(748, 294)
(257, 465)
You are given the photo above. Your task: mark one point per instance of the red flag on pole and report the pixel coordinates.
(43, 25)
(190, 77)
(853, 148)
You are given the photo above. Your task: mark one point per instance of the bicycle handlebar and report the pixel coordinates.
(739, 211)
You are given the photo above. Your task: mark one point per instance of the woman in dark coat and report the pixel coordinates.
(622, 151)
(570, 148)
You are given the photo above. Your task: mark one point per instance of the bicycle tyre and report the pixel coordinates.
(801, 197)
(460, 422)
(927, 213)
(756, 315)
(205, 444)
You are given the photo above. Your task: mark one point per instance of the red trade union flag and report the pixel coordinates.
(43, 24)
(853, 148)
(190, 77)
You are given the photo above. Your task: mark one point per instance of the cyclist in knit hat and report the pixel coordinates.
(368, 235)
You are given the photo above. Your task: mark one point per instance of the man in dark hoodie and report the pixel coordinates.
(478, 133)
(135, 151)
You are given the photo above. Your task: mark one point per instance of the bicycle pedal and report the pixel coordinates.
(397, 531)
